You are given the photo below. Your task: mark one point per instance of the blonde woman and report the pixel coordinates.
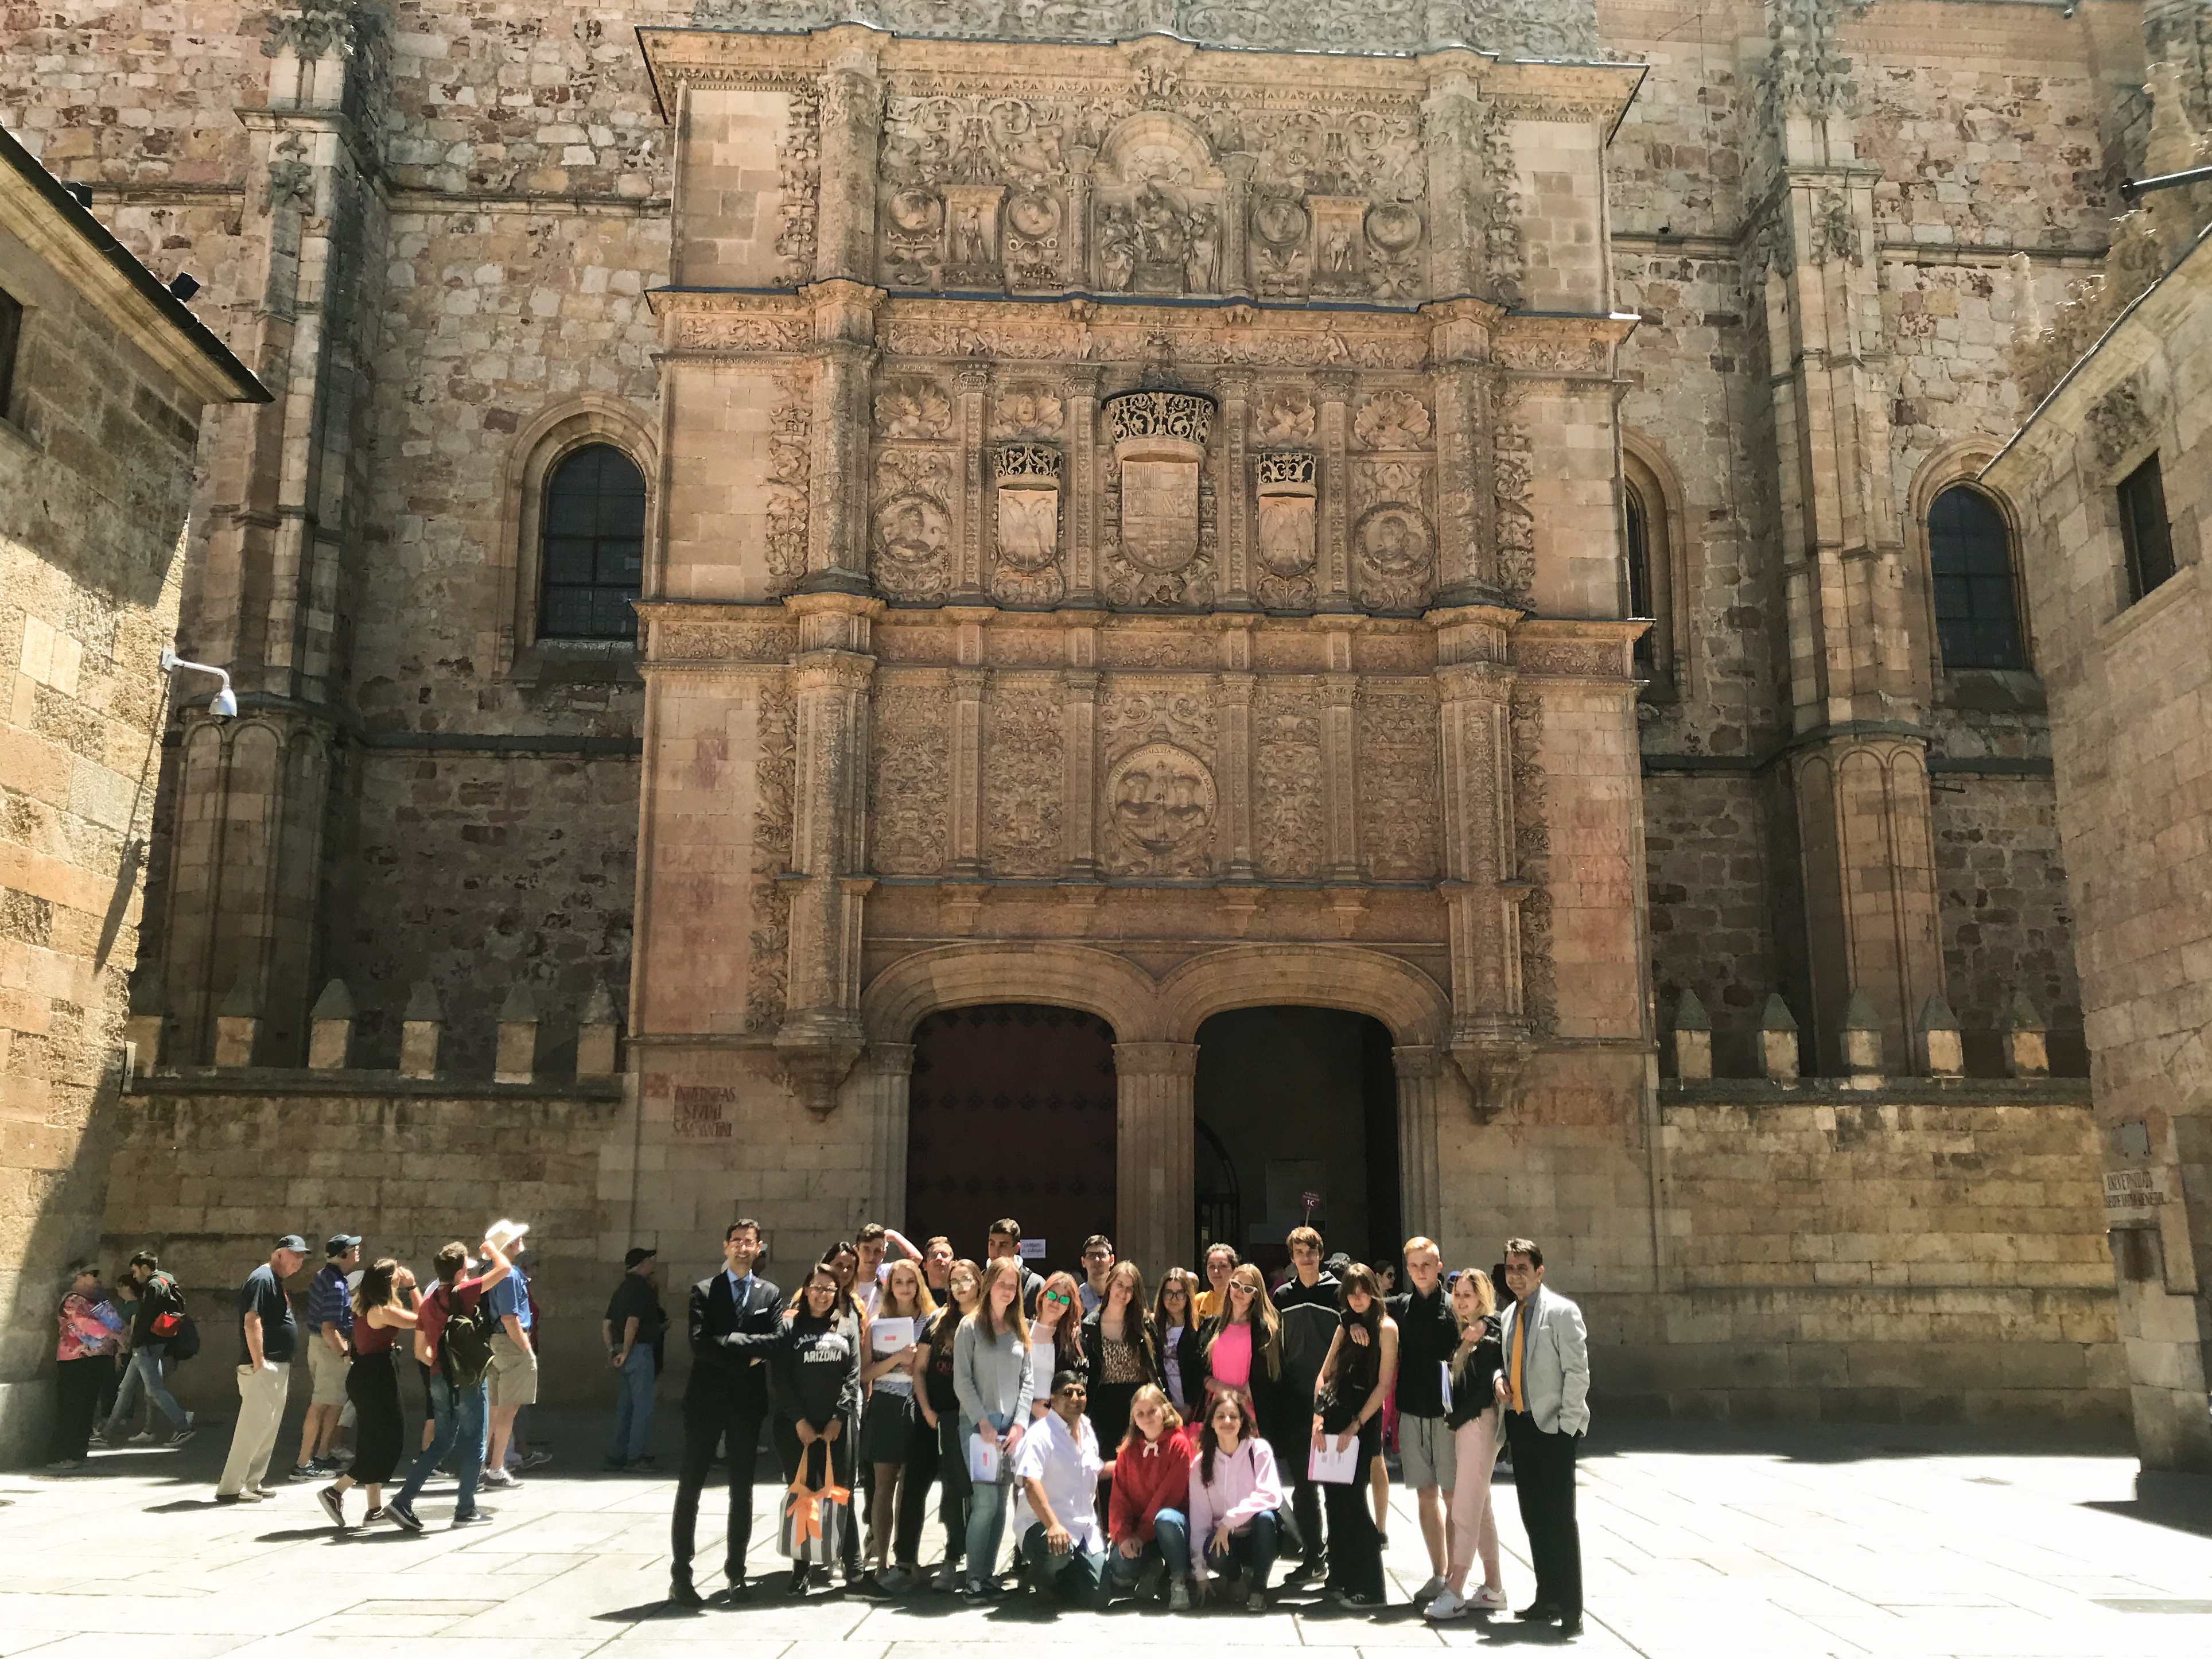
(1243, 1344)
(1477, 1430)
(888, 1374)
(992, 1381)
(936, 1446)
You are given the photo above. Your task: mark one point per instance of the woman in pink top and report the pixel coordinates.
(1242, 1345)
(84, 1358)
(1234, 1495)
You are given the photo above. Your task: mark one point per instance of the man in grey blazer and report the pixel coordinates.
(1543, 1387)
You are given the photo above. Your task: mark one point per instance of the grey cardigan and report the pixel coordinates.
(991, 1376)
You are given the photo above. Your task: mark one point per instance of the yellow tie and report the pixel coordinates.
(1513, 1365)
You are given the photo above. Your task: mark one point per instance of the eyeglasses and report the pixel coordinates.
(1057, 1297)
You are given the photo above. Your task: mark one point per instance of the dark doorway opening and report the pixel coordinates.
(1011, 1113)
(1292, 1101)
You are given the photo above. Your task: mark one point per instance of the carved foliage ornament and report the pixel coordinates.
(1393, 420)
(789, 462)
(913, 408)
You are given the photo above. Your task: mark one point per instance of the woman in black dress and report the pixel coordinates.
(380, 1309)
(1355, 1380)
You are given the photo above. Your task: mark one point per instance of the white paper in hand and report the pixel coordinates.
(1333, 1467)
(890, 1335)
(1445, 1382)
(982, 1462)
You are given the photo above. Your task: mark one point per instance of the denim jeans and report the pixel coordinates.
(633, 1407)
(1170, 1544)
(987, 1505)
(1251, 1553)
(1079, 1572)
(144, 1376)
(459, 1415)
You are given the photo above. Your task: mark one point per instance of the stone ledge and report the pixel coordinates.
(1876, 1091)
(260, 1082)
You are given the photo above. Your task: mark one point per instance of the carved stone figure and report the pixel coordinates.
(1027, 409)
(1395, 553)
(1160, 798)
(1393, 420)
(913, 408)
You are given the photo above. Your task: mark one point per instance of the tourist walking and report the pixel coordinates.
(1428, 1337)
(935, 1447)
(632, 1331)
(1147, 1514)
(1175, 1336)
(267, 1334)
(513, 1360)
(1307, 1306)
(379, 1312)
(1543, 1383)
(1118, 1353)
(887, 1430)
(991, 1379)
(452, 1341)
(84, 1358)
(1233, 1494)
(736, 1316)
(1477, 1425)
(156, 1317)
(1355, 1380)
(1062, 1552)
(816, 1371)
(330, 1336)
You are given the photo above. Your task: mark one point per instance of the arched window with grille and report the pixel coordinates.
(591, 545)
(1639, 576)
(1970, 565)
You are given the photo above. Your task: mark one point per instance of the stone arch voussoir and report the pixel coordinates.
(1414, 1005)
(960, 975)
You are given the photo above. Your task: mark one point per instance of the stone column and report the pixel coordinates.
(1421, 1179)
(966, 815)
(1080, 158)
(1232, 491)
(838, 491)
(1334, 387)
(1079, 758)
(1466, 557)
(1339, 759)
(1474, 676)
(821, 1037)
(1236, 226)
(1236, 771)
(852, 113)
(970, 381)
(886, 1074)
(1083, 380)
(1154, 1127)
(1452, 122)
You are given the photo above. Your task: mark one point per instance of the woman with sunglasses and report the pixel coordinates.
(936, 1446)
(1355, 1380)
(1174, 1338)
(1242, 1345)
(1056, 1335)
(816, 1366)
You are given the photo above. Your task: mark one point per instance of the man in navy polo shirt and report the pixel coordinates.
(513, 1376)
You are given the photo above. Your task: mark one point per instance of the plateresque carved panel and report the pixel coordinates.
(912, 545)
(1023, 778)
(1290, 813)
(910, 773)
(1398, 782)
(1158, 796)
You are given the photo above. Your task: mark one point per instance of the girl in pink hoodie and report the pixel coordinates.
(1234, 1495)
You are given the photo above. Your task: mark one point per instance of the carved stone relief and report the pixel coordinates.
(910, 776)
(768, 939)
(912, 542)
(1285, 496)
(1289, 812)
(789, 449)
(1515, 517)
(1392, 420)
(913, 407)
(1159, 447)
(799, 171)
(1398, 782)
(1286, 416)
(1023, 778)
(1027, 408)
(1157, 789)
(1029, 526)
(1532, 855)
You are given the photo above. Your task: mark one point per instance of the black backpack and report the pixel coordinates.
(465, 1348)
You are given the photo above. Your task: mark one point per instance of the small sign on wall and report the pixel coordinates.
(1033, 1249)
(2132, 1197)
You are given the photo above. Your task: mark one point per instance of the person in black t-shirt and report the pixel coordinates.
(266, 1336)
(632, 1330)
(1308, 1304)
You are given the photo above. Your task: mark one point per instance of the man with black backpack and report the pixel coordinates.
(158, 1323)
(452, 1337)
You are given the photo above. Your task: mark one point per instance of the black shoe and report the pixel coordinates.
(741, 1587)
(797, 1582)
(1539, 1612)
(1571, 1628)
(403, 1515)
(681, 1594)
(1301, 1570)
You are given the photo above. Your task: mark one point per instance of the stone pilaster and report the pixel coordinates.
(1419, 1071)
(1236, 225)
(1083, 380)
(1339, 758)
(852, 113)
(1333, 388)
(1155, 1086)
(820, 1037)
(883, 1076)
(965, 818)
(1079, 758)
(971, 524)
(1235, 768)
(837, 511)
(1490, 1036)
(1452, 120)
(1232, 493)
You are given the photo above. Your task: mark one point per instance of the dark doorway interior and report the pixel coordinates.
(1011, 1112)
(1295, 1100)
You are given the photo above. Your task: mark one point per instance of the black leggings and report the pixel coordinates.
(78, 1382)
(1355, 1548)
(373, 1385)
(930, 1454)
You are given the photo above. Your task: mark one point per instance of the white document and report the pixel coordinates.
(890, 1335)
(1333, 1467)
(982, 1462)
(1445, 1383)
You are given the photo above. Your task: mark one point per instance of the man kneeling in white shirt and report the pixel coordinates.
(1058, 1466)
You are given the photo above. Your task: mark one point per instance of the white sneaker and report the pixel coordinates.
(1446, 1606)
(1429, 1591)
(497, 1478)
(1179, 1596)
(143, 1437)
(1486, 1599)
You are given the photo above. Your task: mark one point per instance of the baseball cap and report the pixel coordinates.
(292, 1242)
(637, 1253)
(341, 1242)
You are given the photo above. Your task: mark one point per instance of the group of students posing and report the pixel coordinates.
(1141, 1445)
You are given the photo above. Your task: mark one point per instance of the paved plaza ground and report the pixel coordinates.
(1698, 1542)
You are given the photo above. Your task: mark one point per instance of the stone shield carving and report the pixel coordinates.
(1285, 499)
(1161, 799)
(1159, 441)
(1028, 525)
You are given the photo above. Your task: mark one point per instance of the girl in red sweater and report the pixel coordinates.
(1144, 1518)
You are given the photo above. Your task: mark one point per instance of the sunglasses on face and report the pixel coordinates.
(1240, 1289)
(1057, 1297)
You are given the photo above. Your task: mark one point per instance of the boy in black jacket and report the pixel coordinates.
(1309, 1302)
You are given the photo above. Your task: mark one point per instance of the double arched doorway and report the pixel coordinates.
(1016, 1109)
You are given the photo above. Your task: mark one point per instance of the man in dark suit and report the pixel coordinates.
(736, 1316)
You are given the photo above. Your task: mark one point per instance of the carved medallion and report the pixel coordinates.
(1034, 214)
(1279, 221)
(1160, 798)
(914, 253)
(1393, 226)
(1395, 551)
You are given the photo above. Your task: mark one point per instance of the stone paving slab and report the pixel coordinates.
(1698, 1542)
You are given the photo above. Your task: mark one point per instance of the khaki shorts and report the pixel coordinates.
(514, 1373)
(1427, 1452)
(326, 1373)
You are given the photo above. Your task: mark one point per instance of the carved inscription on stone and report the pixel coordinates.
(914, 523)
(911, 774)
(1290, 815)
(1023, 778)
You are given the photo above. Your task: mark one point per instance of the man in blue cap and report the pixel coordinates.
(267, 1334)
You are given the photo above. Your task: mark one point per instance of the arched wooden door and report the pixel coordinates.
(1011, 1113)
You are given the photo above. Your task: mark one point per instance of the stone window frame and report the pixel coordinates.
(1960, 462)
(556, 433)
(1646, 473)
